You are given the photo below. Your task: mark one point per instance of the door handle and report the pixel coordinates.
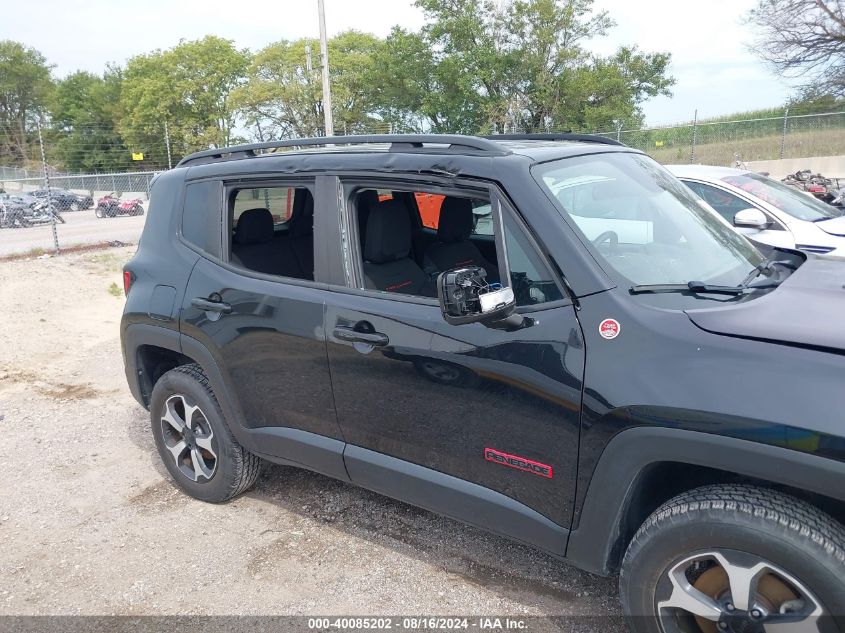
(376, 339)
(210, 305)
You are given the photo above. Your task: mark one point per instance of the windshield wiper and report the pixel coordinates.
(699, 287)
(692, 286)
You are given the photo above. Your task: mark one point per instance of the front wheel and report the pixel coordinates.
(735, 558)
(98, 212)
(194, 441)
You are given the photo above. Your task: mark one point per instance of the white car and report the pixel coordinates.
(766, 210)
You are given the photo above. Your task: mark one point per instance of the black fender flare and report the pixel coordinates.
(278, 444)
(628, 455)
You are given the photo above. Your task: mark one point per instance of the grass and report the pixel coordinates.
(799, 144)
(115, 290)
(109, 261)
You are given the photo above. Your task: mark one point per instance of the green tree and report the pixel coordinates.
(190, 87)
(483, 66)
(25, 86)
(282, 98)
(85, 108)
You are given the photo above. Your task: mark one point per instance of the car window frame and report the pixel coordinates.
(352, 258)
(778, 225)
(260, 181)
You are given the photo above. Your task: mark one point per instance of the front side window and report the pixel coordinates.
(789, 200)
(429, 204)
(646, 225)
(404, 245)
(530, 277)
(725, 204)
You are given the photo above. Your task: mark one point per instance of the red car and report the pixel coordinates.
(111, 205)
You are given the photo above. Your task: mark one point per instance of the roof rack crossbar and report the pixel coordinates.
(398, 142)
(564, 136)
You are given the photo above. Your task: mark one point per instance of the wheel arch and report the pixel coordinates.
(659, 463)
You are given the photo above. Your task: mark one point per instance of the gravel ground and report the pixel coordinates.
(81, 227)
(90, 523)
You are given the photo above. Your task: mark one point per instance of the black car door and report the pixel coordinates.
(259, 309)
(458, 407)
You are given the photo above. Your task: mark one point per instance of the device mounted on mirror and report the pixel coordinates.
(466, 297)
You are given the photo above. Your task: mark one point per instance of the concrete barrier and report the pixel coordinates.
(829, 166)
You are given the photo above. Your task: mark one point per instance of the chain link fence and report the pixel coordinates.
(725, 142)
(128, 183)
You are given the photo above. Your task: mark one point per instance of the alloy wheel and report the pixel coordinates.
(735, 592)
(189, 439)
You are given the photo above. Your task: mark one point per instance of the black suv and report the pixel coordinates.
(547, 337)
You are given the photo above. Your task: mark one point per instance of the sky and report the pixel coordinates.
(715, 72)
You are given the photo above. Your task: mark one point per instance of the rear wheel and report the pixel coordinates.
(74, 206)
(194, 441)
(98, 212)
(735, 558)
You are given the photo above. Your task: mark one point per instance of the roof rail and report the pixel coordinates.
(566, 136)
(397, 142)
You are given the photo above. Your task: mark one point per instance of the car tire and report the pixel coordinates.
(721, 531)
(98, 212)
(74, 206)
(212, 466)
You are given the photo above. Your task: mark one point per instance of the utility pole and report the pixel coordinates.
(167, 142)
(324, 55)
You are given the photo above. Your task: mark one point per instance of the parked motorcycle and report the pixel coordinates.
(21, 212)
(825, 189)
(110, 206)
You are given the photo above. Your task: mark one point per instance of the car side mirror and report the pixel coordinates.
(751, 219)
(466, 297)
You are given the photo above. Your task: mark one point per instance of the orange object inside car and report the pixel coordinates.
(429, 205)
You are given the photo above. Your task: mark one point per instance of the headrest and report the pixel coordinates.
(388, 234)
(366, 200)
(455, 224)
(255, 226)
(302, 217)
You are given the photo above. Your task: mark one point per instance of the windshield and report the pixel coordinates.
(644, 223)
(796, 203)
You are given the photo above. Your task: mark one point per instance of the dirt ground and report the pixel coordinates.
(90, 524)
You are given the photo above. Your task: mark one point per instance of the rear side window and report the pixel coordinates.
(272, 230)
(277, 200)
(201, 215)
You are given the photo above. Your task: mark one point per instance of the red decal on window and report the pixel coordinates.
(397, 286)
(520, 463)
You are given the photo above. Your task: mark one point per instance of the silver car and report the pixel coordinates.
(766, 210)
